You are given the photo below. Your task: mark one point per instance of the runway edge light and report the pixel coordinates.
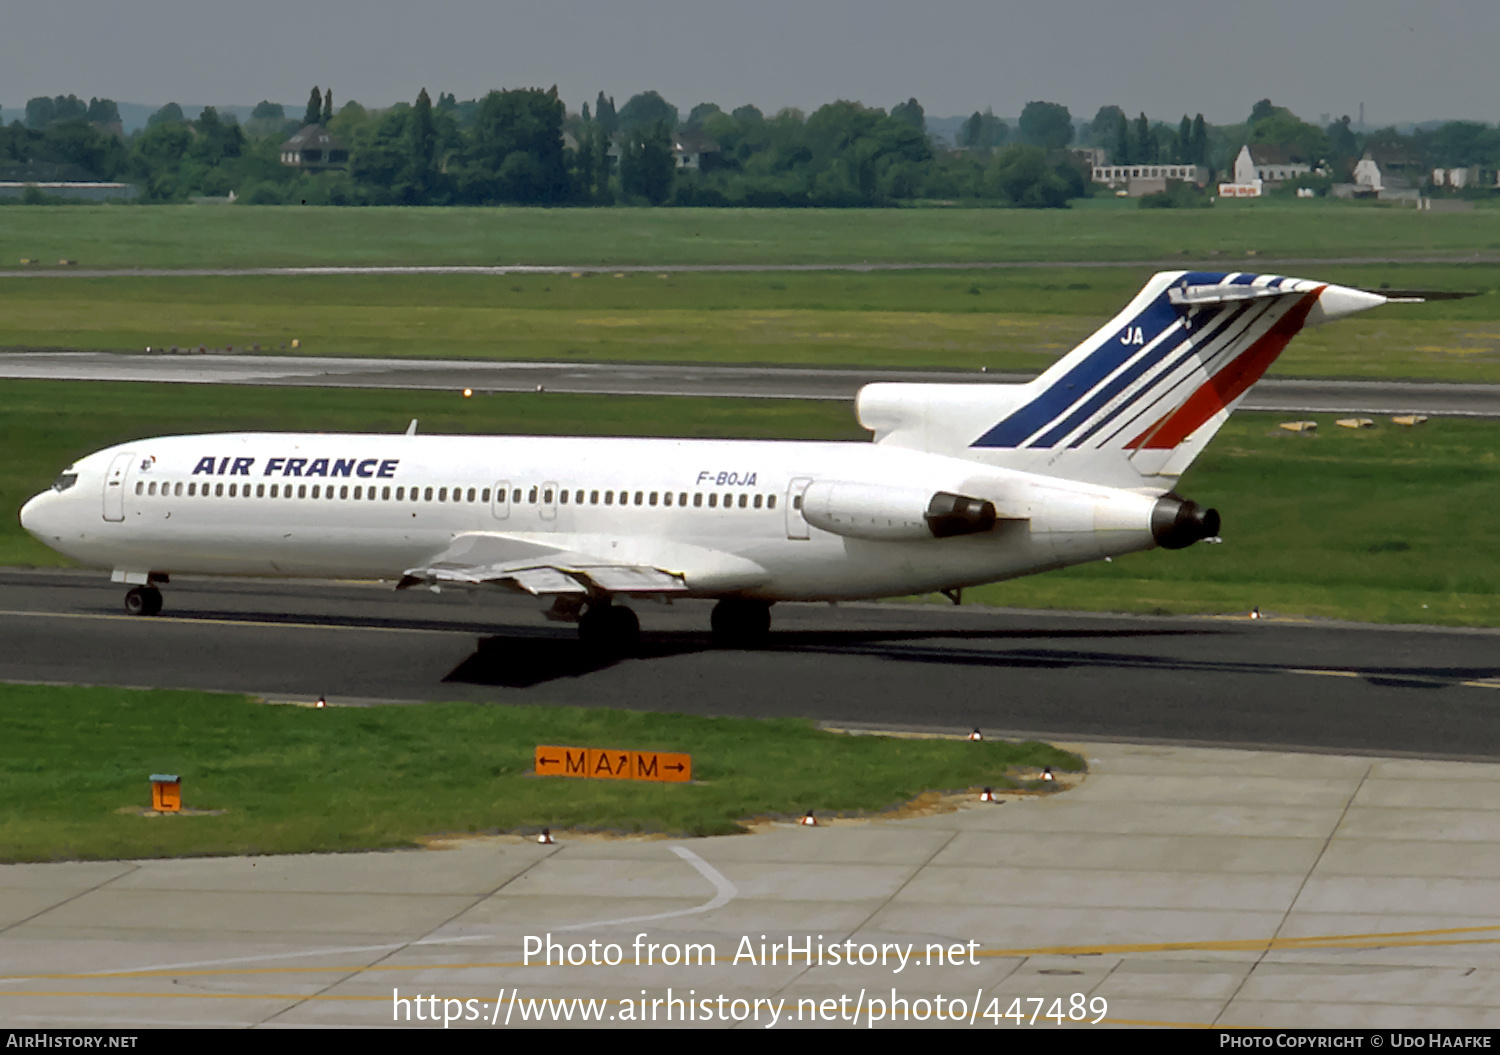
(546, 837)
(988, 795)
(809, 821)
(976, 735)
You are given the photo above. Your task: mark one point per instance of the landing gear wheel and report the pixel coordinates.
(739, 622)
(610, 630)
(143, 600)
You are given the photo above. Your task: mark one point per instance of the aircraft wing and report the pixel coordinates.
(538, 568)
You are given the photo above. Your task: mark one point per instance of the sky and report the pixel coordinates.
(1405, 61)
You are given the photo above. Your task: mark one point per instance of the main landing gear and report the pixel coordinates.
(740, 622)
(143, 600)
(609, 630)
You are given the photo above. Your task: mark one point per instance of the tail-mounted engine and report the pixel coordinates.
(1177, 523)
(871, 511)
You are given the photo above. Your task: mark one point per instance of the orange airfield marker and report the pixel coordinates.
(613, 764)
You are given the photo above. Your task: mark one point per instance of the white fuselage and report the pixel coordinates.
(727, 516)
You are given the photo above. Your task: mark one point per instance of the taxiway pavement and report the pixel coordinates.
(1279, 395)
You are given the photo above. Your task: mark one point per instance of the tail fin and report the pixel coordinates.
(1134, 404)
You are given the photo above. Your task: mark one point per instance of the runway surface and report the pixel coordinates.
(676, 379)
(1303, 686)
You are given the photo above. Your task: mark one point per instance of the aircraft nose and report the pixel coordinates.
(34, 514)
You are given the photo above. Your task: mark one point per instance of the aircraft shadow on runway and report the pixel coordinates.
(521, 661)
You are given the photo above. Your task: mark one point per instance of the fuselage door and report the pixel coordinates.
(501, 506)
(796, 524)
(114, 486)
(548, 505)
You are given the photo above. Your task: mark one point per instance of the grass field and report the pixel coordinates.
(294, 779)
(1385, 524)
(1003, 320)
(242, 236)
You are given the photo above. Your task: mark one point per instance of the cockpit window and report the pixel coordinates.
(64, 481)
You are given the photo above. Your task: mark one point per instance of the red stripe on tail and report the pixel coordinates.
(1228, 384)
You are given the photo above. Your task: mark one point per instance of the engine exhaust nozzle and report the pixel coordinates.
(1177, 522)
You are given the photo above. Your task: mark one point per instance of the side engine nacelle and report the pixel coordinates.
(871, 511)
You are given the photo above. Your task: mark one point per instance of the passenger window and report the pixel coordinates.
(640, 498)
(427, 495)
(609, 498)
(177, 491)
(578, 497)
(192, 489)
(653, 498)
(532, 496)
(562, 497)
(744, 501)
(317, 491)
(547, 496)
(231, 489)
(666, 498)
(472, 494)
(713, 501)
(682, 498)
(302, 490)
(401, 494)
(218, 490)
(357, 491)
(593, 498)
(728, 500)
(698, 500)
(515, 496)
(770, 501)
(758, 499)
(797, 502)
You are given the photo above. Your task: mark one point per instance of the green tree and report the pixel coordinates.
(169, 114)
(103, 112)
(1102, 127)
(1184, 142)
(912, 113)
(701, 113)
(421, 173)
(327, 108)
(508, 125)
(646, 109)
(1046, 125)
(267, 110)
(1144, 146)
(39, 113)
(314, 107)
(983, 131)
(1198, 151)
(604, 113)
(1123, 152)
(1024, 177)
(647, 166)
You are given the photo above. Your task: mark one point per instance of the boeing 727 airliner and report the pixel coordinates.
(963, 484)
